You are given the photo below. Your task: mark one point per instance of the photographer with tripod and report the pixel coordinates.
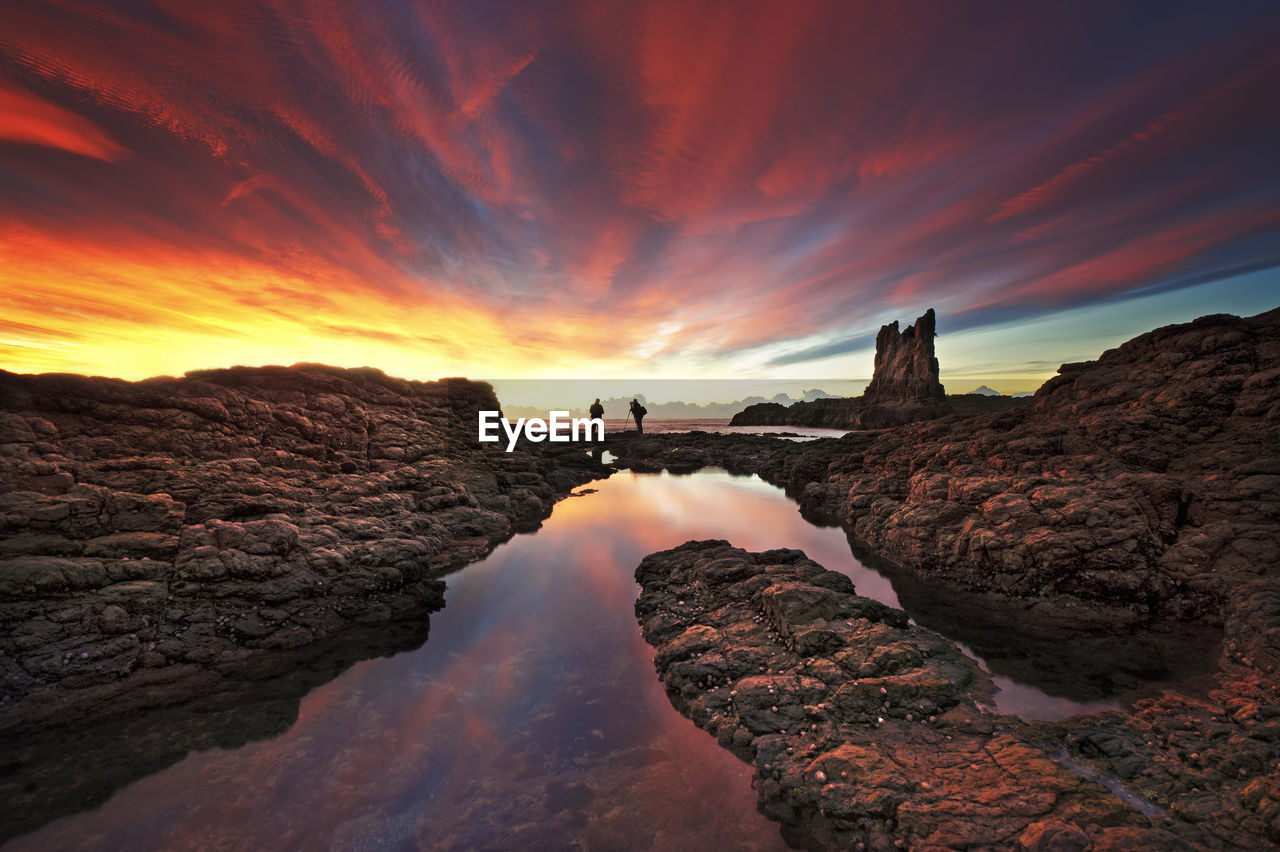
(638, 412)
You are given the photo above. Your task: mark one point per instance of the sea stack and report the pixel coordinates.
(906, 369)
(904, 388)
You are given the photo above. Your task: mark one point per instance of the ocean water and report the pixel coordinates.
(656, 427)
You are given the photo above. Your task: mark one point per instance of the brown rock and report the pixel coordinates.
(842, 759)
(1134, 492)
(232, 514)
(1053, 835)
(904, 388)
(906, 369)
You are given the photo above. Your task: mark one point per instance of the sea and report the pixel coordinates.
(655, 426)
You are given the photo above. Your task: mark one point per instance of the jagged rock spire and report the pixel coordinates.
(906, 370)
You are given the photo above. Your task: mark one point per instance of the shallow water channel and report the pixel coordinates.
(531, 718)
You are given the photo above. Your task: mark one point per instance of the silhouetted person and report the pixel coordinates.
(596, 410)
(638, 411)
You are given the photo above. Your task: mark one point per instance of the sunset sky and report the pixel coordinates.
(680, 190)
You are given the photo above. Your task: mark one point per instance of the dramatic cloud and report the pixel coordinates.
(26, 118)
(575, 187)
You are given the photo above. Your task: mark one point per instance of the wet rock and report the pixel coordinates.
(902, 758)
(52, 772)
(1130, 490)
(1133, 492)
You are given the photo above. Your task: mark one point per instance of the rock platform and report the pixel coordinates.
(867, 732)
(151, 529)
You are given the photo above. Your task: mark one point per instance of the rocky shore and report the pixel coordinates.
(154, 532)
(1142, 488)
(865, 732)
(226, 540)
(1143, 485)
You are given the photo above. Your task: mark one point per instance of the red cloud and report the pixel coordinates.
(594, 184)
(26, 118)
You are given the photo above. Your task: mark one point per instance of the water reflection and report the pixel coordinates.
(1050, 661)
(531, 719)
(52, 773)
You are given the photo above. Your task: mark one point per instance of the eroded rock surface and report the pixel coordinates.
(1143, 485)
(1142, 488)
(906, 368)
(174, 526)
(863, 730)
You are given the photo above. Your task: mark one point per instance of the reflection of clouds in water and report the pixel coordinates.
(1031, 703)
(657, 512)
(534, 674)
(748, 512)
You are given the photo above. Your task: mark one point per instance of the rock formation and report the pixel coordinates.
(863, 730)
(1131, 483)
(162, 540)
(154, 532)
(904, 388)
(906, 370)
(1142, 487)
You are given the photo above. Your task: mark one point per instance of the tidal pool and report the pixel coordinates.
(531, 718)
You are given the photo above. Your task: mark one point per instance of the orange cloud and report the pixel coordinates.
(662, 187)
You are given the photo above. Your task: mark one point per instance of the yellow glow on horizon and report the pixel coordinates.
(133, 314)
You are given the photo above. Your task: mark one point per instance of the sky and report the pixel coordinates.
(664, 190)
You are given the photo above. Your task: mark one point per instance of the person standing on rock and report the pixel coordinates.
(597, 413)
(638, 411)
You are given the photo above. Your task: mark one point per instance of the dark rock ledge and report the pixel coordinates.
(868, 733)
(48, 773)
(154, 532)
(182, 560)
